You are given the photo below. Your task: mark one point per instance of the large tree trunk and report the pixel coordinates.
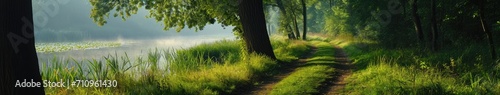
(18, 60)
(416, 21)
(434, 26)
(252, 19)
(486, 28)
(304, 14)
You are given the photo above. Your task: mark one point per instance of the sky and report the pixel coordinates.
(69, 20)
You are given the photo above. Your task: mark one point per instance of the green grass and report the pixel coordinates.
(204, 55)
(452, 70)
(289, 50)
(303, 81)
(213, 68)
(386, 76)
(306, 79)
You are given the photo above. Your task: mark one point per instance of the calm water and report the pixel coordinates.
(133, 48)
(71, 22)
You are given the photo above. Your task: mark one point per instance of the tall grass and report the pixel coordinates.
(386, 76)
(452, 70)
(203, 55)
(214, 68)
(289, 50)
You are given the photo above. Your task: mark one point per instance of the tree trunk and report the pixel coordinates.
(252, 19)
(268, 27)
(404, 7)
(486, 28)
(285, 15)
(434, 26)
(416, 21)
(330, 3)
(297, 33)
(304, 14)
(18, 59)
(290, 33)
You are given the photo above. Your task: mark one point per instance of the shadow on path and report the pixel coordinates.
(267, 83)
(343, 69)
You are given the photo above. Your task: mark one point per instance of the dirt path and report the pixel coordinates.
(343, 67)
(267, 84)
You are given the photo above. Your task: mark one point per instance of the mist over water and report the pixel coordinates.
(137, 35)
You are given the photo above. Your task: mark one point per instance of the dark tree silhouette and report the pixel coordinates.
(304, 14)
(434, 26)
(416, 21)
(486, 26)
(18, 60)
(253, 23)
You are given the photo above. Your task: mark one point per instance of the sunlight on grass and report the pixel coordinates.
(307, 79)
(303, 81)
(289, 50)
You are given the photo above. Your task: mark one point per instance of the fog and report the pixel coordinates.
(71, 22)
(56, 22)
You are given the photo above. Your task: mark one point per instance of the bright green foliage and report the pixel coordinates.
(173, 13)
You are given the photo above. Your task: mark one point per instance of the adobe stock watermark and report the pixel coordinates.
(384, 17)
(49, 8)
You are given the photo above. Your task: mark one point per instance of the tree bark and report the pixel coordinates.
(252, 19)
(434, 26)
(486, 28)
(18, 59)
(304, 14)
(416, 21)
(297, 33)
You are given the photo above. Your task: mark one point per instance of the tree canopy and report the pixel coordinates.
(172, 13)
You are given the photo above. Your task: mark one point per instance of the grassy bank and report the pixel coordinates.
(213, 68)
(452, 70)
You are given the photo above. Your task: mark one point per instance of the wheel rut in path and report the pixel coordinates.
(343, 69)
(267, 85)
